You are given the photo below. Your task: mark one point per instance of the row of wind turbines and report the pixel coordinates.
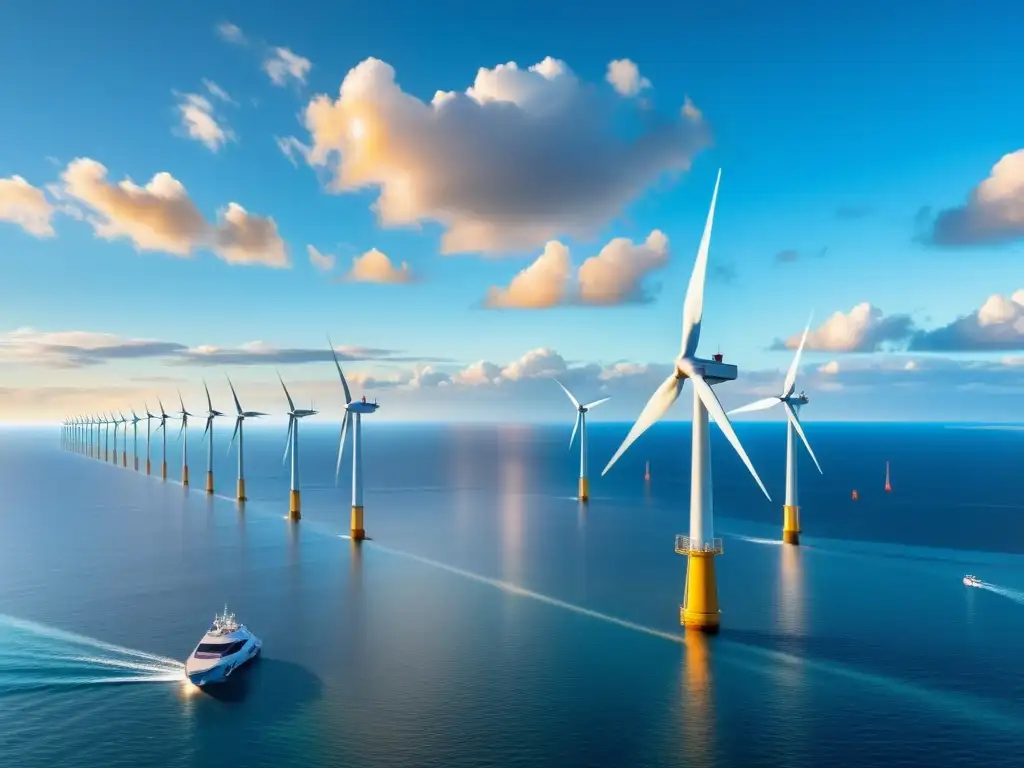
(700, 609)
(90, 435)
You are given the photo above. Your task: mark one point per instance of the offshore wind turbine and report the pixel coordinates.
(106, 429)
(581, 425)
(210, 416)
(149, 420)
(163, 426)
(184, 446)
(353, 413)
(700, 602)
(135, 439)
(97, 423)
(124, 441)
(239, 418)
(791, 403)
(116, 424)
(292, 443)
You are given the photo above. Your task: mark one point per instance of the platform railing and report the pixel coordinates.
(687, 546)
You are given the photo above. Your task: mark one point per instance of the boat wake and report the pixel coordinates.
(756, 540)
(1012, 594)
(34, 655)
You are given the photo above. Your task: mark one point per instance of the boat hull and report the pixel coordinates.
(222, 672)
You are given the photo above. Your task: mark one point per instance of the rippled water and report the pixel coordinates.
(494, 621)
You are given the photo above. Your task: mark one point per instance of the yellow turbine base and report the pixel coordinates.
(148, 468)
(136, 463)
(294, 506)
(700, 609)
(241, 489)
(184, 475)
(357, 531)
(209, 482)
(124, 459)
(584, 489)
(106, 455)
(790, 524)
(163, 470)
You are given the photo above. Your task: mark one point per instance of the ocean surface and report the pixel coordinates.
(494, 621)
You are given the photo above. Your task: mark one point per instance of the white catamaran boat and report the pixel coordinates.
(225, 647)
(972, 581)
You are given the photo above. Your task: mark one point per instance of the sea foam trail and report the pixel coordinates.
(34, 655)
(1013, 594)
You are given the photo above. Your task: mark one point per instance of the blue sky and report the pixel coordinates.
(843, 134)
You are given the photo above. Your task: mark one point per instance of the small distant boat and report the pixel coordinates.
(972, 581)
(226, 646)
(888, 485)
(855, 496)
(647, 471)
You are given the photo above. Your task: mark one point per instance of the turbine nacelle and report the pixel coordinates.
(361, 406)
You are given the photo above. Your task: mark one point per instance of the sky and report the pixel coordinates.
(471, 202)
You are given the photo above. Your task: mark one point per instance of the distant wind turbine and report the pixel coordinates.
(124, 441)
(184, 446)
(135, 439)
(581, 425)
(791, 403)
(700, 609)
(210, 416)
(106, 440)
(149, 421)
(162, 426)
(292, 443)
(353, 413)
(239, 418)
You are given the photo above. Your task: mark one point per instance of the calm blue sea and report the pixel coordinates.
(493, 621)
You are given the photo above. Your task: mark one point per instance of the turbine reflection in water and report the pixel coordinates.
(513, 485)
(792, 613)
(698, 702)
(791, 699)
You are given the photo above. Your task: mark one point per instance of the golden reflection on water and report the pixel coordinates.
(463, 466)
(698, 701)
(792, 615)
(512, 487)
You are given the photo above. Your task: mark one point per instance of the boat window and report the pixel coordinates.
(210, 650)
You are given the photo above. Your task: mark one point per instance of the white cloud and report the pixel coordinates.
(520, 157)
(994, 211)
(625, 77)
(292, 148)
(863, 329)
(200, 123)
(26, 206)
(690, 111)
(231, 33)
(375, 267)
(160, 216)
(614, 276)
(216, 91)
(322, 261)
(283, 65)
(998, 325)
(830, 368)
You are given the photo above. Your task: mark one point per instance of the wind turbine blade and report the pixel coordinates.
(757, 405)
(182, 402)
(161, 404)
(590, 406)
(574, 428)
(344, 384)
(693, 306)
(714, 407)
(209, 402)
(209, 422)
(790, 385)
(238, 423)
(238, 405)
(341, 444)
(795, 421)
(183, 423)
(291, 405)
(288, 438)
(662, 399)
(575, 402)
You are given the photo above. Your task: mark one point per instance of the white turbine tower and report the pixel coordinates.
(242, 416)
(114, 420)
(581, 425)
(791, 403)
(135, 439)
(149, 422)
(106, 438)
(97, 424)
(184, 446)
(292, 444)
(353, 415)
(162, 426)
(700, 602)
(124, 441)
(210, 416)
